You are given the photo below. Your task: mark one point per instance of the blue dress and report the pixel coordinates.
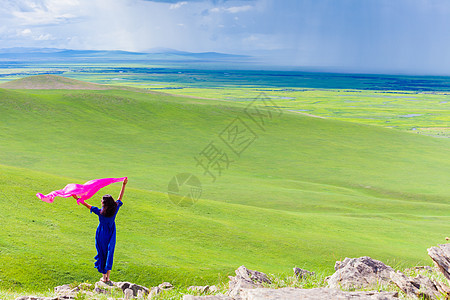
(105, 239)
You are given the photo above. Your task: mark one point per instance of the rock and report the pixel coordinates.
(419, 286)
(301, 273)
(153, 292)
(62, 289)
(65, 292)
(441, 257)
(128, 293)
(250, 275)
(356, 273)
(443, 289)
(156, 290)
(132, 286)
(311, 294)
(245, 278)
(102, 288)
(210, 297)
(200, 289)
(165, 286)
(140, 294)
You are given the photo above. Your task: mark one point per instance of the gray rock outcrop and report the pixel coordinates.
(132, 286)
(156, 290)
(420, 286)
(441, 257)
(103, 288)
(165, 286)
(245, 278)
(128, 294)
(357, 273)
(203, 289)
(312, 294)
(301, 273)
(297, 293)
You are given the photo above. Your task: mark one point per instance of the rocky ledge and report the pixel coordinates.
(350, 274)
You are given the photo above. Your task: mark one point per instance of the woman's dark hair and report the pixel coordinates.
(109, 206)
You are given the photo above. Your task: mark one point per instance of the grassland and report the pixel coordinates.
(417, 104)
(307, 192)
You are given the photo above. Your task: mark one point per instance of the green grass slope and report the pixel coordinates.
(51, 82)
(307, 192)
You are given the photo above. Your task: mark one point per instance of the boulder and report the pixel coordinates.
(128, 294)
(443, 289)
(420, 286)
(301, 273)
(441, 257)
(250, 275)
(132, 286)
(140, 294)
(63, 289)
(362, 272)
(204, 289)
(66, 292)
(103, 288)
(311, 294)
(165, 286)
(154, 291)
(200, 289)
(245, 278)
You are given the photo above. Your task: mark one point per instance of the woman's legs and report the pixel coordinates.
(105, 277)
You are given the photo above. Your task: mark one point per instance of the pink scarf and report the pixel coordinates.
(84, 191)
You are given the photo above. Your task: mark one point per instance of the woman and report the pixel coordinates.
(105, 237)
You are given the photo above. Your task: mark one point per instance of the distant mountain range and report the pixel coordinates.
(157, 54)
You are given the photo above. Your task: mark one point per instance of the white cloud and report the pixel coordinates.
(44, 12)
(177, 5)
(232, 9)
(26, 31)
(44, 37)
(238, 9)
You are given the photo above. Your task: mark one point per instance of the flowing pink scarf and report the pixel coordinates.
(84, 191)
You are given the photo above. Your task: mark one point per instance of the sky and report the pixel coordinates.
(387, 36)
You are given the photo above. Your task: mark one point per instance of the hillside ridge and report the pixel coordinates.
(49, 81)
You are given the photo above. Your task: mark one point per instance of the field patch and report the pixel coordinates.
(306, 192)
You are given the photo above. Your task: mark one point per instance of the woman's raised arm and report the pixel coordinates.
(84, 203)
(123, 189)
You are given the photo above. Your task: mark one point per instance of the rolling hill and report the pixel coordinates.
(49, 81)
(306, 192)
